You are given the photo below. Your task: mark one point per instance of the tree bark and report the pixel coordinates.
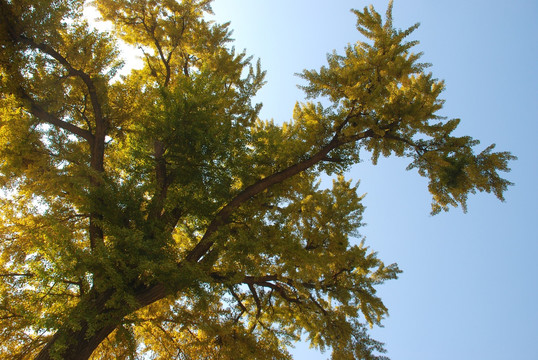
(80, 343)
(80, 346)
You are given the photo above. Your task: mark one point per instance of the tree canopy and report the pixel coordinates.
(155, 215)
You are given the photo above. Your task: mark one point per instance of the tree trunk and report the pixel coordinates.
(80, 347)
(79, 344)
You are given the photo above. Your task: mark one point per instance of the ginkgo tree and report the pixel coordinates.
(153, 215)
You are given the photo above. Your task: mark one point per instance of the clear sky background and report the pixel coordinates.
(469, 288)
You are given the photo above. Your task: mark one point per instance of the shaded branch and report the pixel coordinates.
(318, 305)
(162, 181)
(347, 119)
(420, 150)
(258, 305)
(47, 49)
(281, 291)
(239, 302)
(39, 112)
(223, 215)
(17, 275)
(334, 160)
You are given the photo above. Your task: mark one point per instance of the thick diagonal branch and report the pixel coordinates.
(248, 193)
(39, 112)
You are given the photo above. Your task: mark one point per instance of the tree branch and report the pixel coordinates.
(47, 49)
(239, 302)
(17, 275)
(166, 62)
(420, 150)
(348, 117)
(280, 290)
(35, 109)
(258, 305)
(223, 215)
(162, 181)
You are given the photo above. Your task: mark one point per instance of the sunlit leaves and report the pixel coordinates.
(383, 88)
(158, 204)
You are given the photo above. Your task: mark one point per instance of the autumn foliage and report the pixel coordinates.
(154, 215)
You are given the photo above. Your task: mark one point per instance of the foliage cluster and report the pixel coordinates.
(154, 215)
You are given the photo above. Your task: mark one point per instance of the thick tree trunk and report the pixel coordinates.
(79, 346)
(80, 343)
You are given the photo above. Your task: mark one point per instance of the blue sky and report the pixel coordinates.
(469, 288)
